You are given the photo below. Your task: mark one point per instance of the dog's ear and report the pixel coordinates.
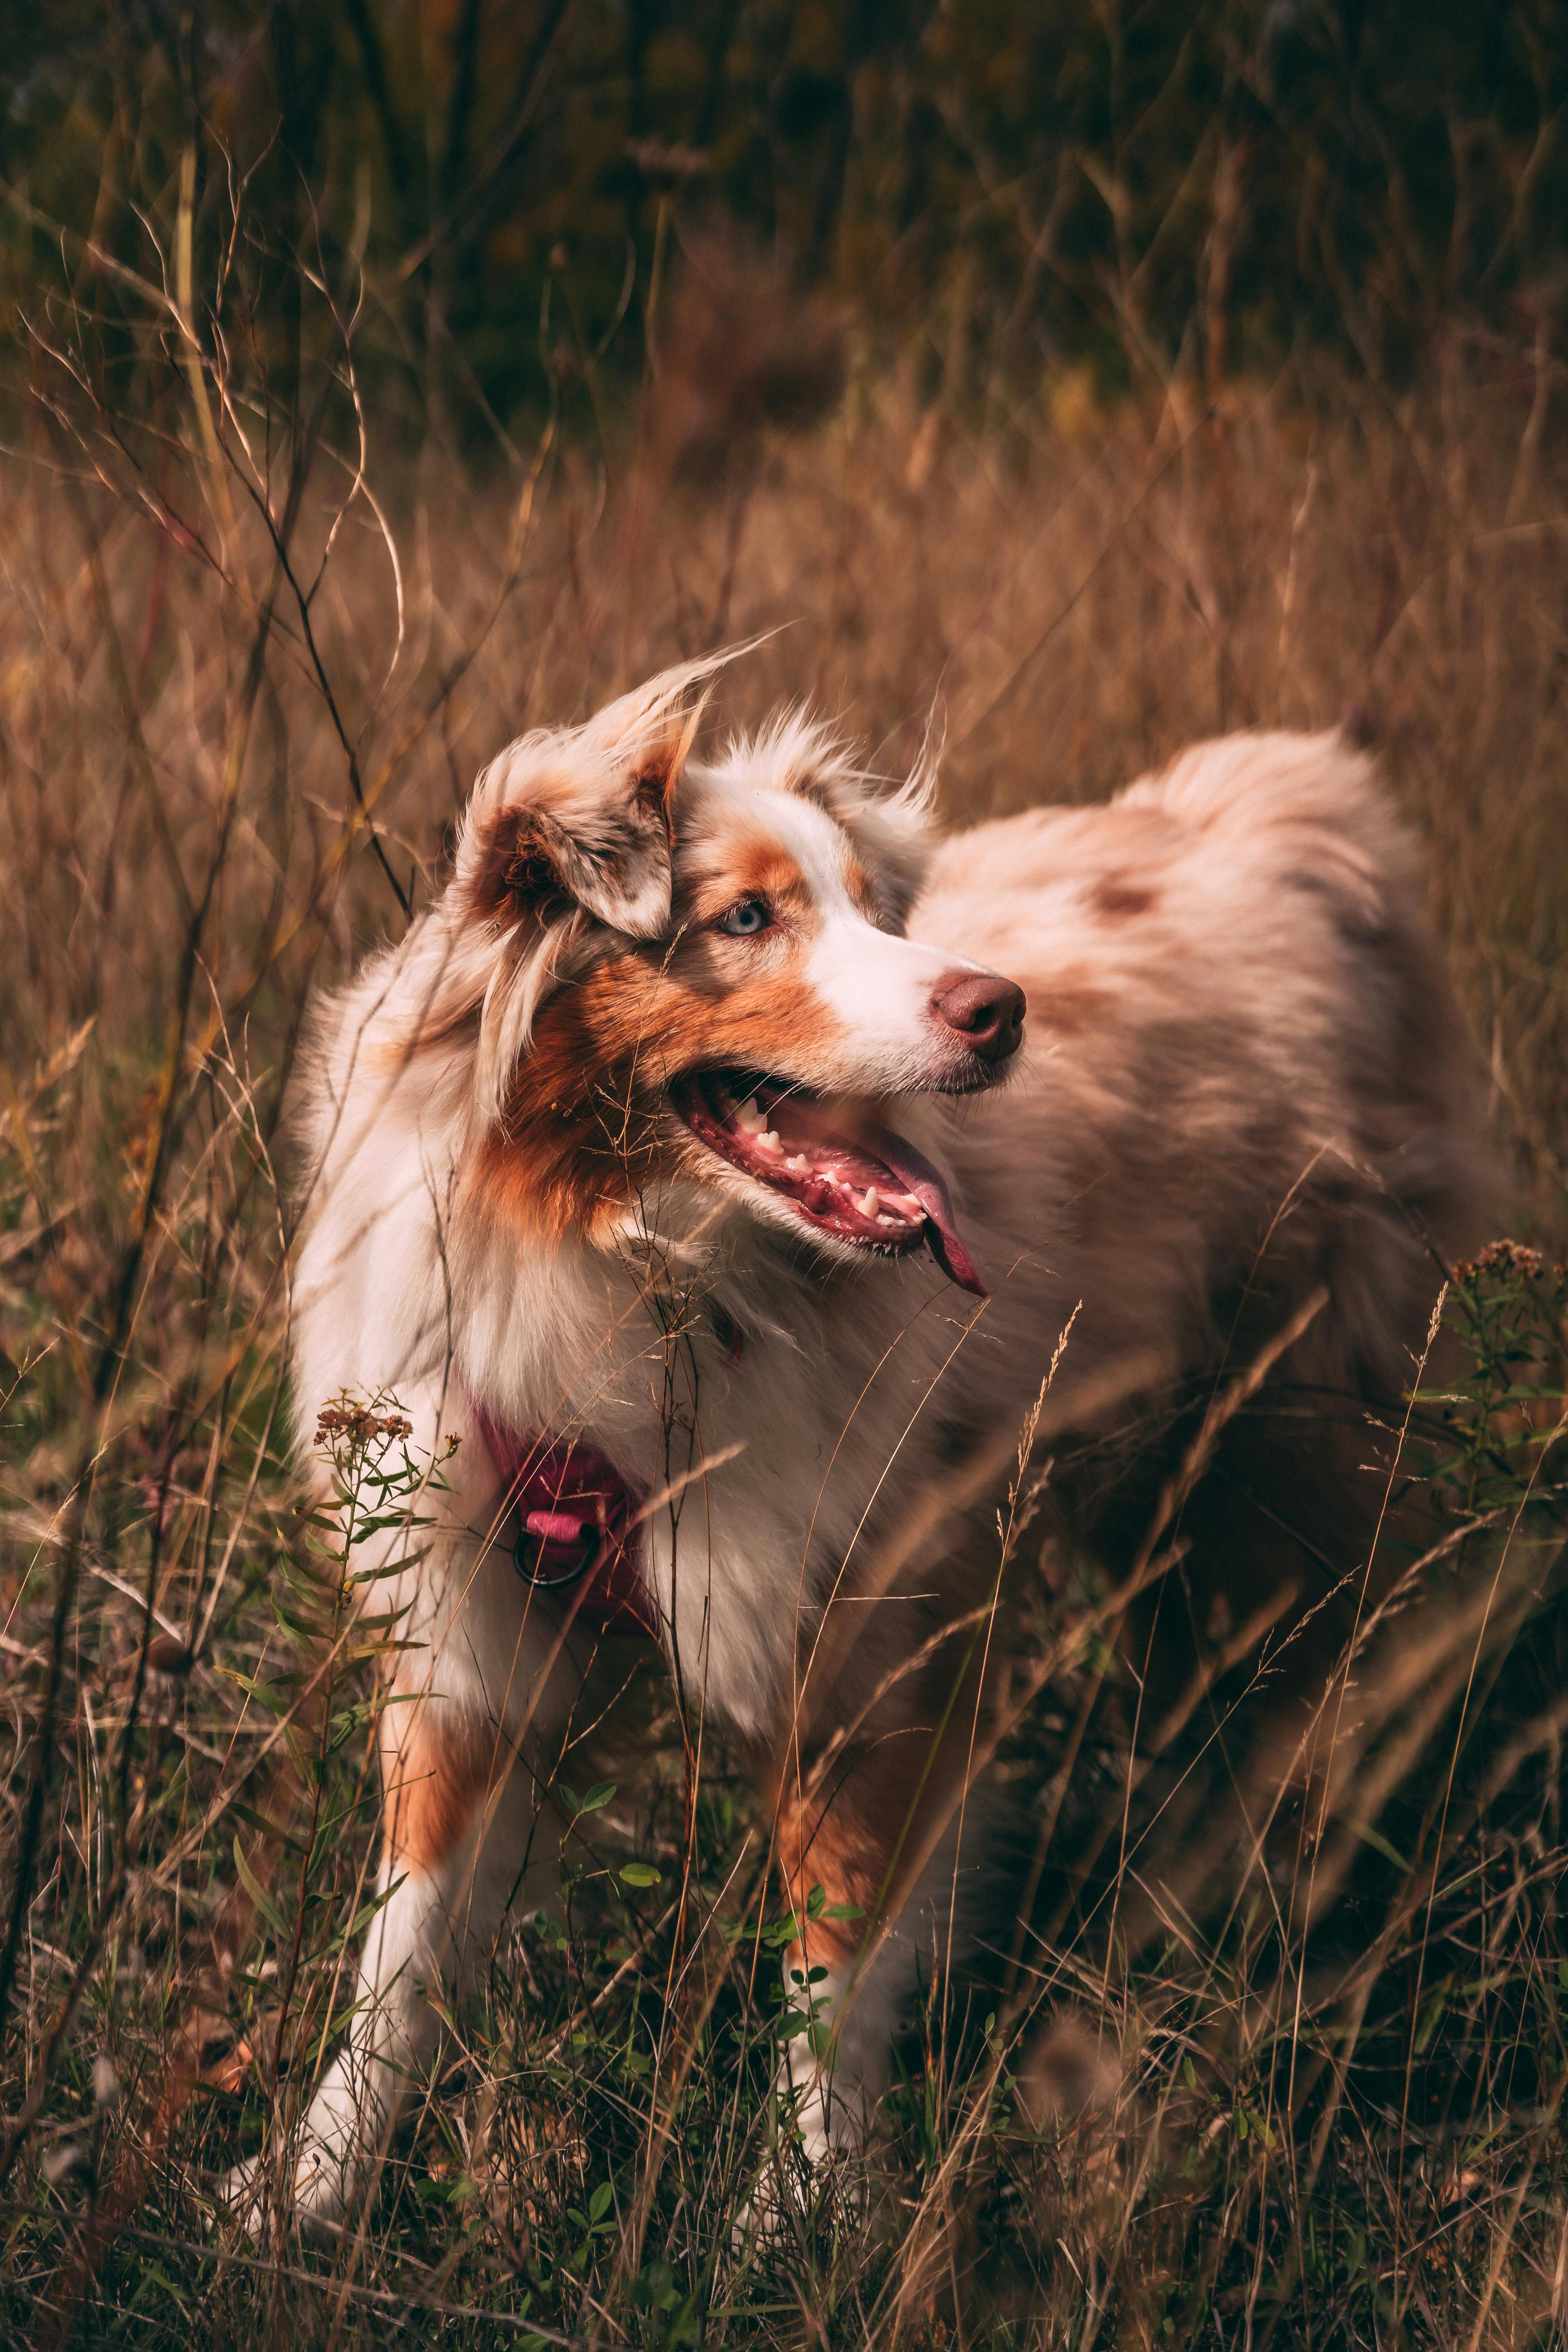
(583, 818)
(569, 828)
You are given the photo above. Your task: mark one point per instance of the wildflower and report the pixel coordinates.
(359, 1426)
(1504, 1258)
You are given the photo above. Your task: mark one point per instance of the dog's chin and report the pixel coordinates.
(976, 1078)
(830, 1169)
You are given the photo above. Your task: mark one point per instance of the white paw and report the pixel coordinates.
(316, 2197)
(800, 2183)
(238, 2197)
(831, 2104)
(816, 2159)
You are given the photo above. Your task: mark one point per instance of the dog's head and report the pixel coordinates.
(675, 973)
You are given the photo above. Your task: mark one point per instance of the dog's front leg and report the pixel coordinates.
(459, 1811)
(881, 1839)
(459, 1808)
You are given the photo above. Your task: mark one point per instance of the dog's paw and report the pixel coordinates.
(795, 2199)
(315, 2200)
(827, 2108)
(816, 2166)
(238, 2200)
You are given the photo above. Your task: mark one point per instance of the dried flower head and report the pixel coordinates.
(1503, 1257)
(359, 1424)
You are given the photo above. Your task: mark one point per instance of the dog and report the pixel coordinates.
(692, 1163)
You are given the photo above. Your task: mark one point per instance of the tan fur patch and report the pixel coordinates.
(753, 867)
(839, 1850)
(438, 1777)
(1068, 1006)
(862, 889)
(1117, 897)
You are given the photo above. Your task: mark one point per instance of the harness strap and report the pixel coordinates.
(579, 1526)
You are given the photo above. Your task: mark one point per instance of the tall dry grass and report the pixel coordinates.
(248, 670)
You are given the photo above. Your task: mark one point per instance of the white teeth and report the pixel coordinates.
(800, 1164)
(769, 1142)
(748, 1117)
(871, 1204)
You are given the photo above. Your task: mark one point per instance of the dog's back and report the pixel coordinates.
(1240, 1031)
(1248, 1099)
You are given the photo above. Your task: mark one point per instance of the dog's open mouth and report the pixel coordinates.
(868, 1187)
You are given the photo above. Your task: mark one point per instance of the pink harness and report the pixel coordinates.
(579, 1526)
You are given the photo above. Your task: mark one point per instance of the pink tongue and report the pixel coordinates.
(916, 1172)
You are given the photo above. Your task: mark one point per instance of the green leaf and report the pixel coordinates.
(356, 1927)
(257, 1890)
(1432, 2016)
(638, 1874)
(599, 2203)
(597, 1796)
(843, 1911)
(1380, 1844)
(270, 1829)
(267, 1694)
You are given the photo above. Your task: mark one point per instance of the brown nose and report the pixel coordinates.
(987, 1012)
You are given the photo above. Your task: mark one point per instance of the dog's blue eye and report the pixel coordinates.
(743, 922)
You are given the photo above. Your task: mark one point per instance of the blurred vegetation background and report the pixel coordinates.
(991, 191)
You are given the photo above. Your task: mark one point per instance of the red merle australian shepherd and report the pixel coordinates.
(692, 1161)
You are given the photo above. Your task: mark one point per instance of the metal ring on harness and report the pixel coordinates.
(528, 1554)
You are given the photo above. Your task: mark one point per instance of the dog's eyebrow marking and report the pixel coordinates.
(764, 870)
(1116, 896)
(749, 863)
